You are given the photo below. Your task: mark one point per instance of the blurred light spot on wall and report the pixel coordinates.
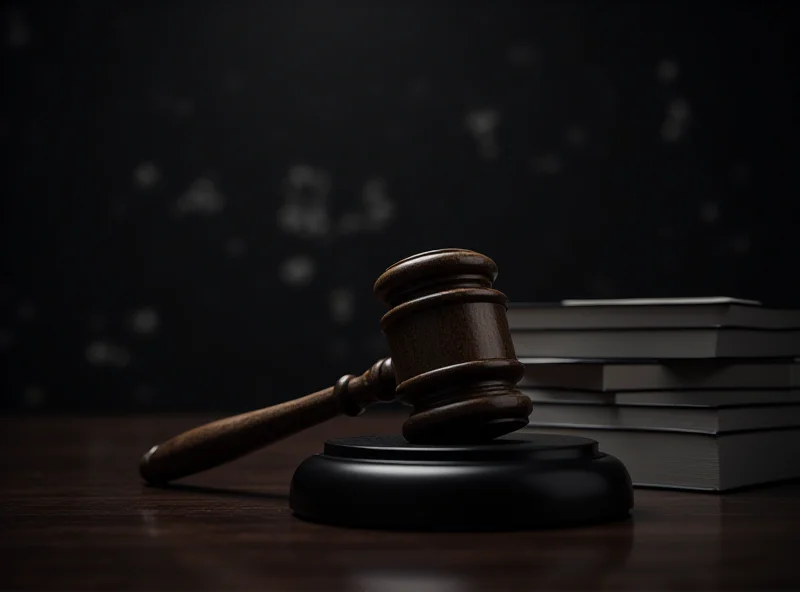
(676, 121)
(145, 321)
(709, 212)
(202, 198)
(575, 136)
(146, 175)
(522, 55)
(482, 124)
(667, 71)
(341, 303)
(103, 353)
(379, 207)
(305, 208)
(549, 164)
(298, 270)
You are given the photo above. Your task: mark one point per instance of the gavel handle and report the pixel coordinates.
(221, 441)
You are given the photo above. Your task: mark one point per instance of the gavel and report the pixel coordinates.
(452, 361)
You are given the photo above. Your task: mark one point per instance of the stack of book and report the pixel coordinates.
(689, 393)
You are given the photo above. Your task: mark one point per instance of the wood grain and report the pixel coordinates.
(451, 347)
(210, 445)
(76, 516)
(452, 361)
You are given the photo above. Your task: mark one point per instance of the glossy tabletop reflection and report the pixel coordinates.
(75, 515)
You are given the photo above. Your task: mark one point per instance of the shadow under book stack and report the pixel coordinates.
(697, 393)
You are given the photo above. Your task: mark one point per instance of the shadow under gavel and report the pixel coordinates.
(452, 361)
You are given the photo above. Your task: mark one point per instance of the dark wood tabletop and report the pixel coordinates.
(75, 515)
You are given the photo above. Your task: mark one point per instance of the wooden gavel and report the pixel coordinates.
(452, 360)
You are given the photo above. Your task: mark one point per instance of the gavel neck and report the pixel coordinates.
(356, 393)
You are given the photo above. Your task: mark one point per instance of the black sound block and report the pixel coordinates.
(518, 481)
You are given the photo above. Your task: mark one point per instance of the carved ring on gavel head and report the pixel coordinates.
(451, 348)
(452, 361)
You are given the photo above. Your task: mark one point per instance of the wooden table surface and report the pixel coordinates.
(75, 515)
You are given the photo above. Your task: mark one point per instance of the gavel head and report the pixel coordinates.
(451, 348)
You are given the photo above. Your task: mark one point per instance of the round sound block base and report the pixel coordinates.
(519, 481)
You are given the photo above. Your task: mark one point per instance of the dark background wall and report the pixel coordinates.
(197, 196)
